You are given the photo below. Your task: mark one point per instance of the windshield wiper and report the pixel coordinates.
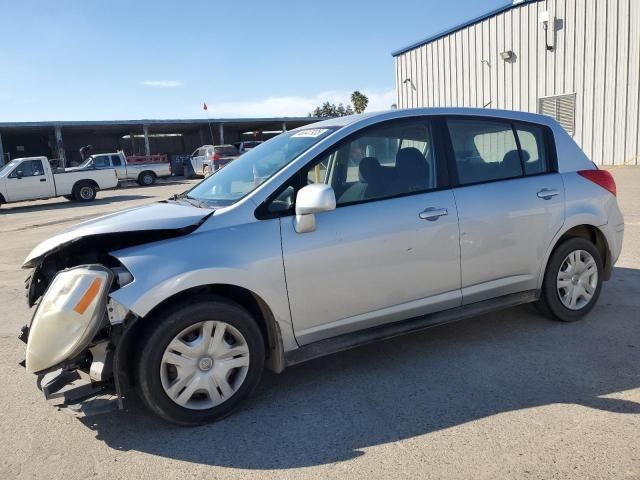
(190, 200)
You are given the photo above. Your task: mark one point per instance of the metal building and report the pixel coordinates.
(575, 60)
(135, 137)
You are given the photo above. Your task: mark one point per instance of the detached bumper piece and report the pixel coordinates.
(74, 391)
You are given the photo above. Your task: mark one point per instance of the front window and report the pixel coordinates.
(101, 161)
(28, 168)
(395, 158)
(384, 161)
(240, 177)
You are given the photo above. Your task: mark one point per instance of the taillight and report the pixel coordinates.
(600, 177)
(215, 156)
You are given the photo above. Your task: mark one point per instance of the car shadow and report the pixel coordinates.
(330, 409)
(9, 209)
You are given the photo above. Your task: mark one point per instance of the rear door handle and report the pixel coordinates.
(547, 193)
(433, 214)
(43, 179)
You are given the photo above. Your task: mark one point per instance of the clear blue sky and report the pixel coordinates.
(82, 60)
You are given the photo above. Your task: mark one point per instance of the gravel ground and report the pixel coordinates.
(505, 395)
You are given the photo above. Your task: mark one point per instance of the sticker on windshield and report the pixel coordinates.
(310, 133)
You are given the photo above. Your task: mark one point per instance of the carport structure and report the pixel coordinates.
(136, 137)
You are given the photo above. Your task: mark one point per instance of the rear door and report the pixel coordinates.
(510, 203)
(28, 181)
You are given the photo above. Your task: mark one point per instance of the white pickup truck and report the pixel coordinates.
(143, 173)
(33, 179)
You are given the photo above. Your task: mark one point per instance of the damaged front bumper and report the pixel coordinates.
(73, 339)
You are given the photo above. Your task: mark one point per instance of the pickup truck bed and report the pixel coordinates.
(143, 173)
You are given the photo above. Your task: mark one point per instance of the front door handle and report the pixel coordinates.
(433, 214)
(547, 193)
(43, 179)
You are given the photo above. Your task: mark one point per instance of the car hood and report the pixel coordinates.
(162, 216)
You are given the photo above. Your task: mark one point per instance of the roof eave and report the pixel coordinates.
(444, 33)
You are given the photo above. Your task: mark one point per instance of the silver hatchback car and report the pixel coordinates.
(333, 235)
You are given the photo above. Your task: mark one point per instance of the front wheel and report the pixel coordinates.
(572, 281)
(199, 361)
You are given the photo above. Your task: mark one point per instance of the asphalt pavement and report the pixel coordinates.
(505, 395)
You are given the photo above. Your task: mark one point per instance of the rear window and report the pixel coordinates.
(491, 149)
(227, 151)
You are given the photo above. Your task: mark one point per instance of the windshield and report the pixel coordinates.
(8, 166)
(242, 176)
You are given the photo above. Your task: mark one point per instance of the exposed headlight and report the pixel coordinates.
(68, 316)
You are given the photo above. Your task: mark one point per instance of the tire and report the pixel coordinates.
(568, 297)
(146, 179)
(200, 372)
(84, 191)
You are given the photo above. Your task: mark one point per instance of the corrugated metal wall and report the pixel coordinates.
(596, 56)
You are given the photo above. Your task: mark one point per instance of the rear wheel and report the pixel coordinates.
(572, 281)
(199, 361)
(146, 179)
(84, 192)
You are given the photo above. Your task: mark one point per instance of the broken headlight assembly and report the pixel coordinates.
(69, 315)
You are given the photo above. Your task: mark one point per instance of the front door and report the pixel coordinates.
(390, 250)
(28, 182)
(510, 204)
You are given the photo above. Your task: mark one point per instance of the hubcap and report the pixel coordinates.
(147, 179)
(204, 365)
(577, 279)
(86, 193)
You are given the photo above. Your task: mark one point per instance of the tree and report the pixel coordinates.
(330, 110)
(359, 101)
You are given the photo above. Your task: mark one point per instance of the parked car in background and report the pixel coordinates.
(325, 237)
(246, 146)
(32, 178)
(209, 158)
(144, 174)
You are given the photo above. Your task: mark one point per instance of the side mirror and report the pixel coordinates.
(19, 174)
(312, 199)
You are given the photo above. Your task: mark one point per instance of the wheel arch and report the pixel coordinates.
(257, 307)
(589, 232)
(85, 180)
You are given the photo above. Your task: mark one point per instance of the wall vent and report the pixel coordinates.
(560, 107)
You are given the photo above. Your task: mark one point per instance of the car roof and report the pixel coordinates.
(30, 158)
(410, 112)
